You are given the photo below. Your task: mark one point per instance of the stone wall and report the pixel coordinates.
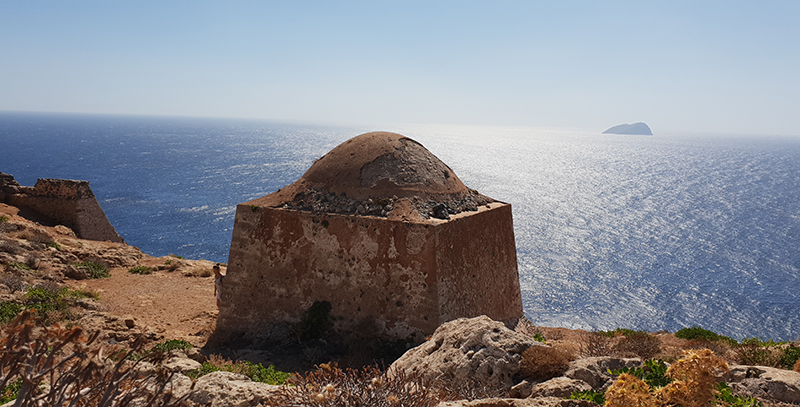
(387, 278)
(67, 202)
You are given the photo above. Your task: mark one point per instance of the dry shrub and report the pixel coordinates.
(630, 391)
(694, 383)
(206, 273)
(595, 344)
(642, 344)
(720, 348)
(754, 354)
(694, 379)
(367, 387)
(543, 362)
(11, 247)
(74, 368)
(13, 281)
(797, 366)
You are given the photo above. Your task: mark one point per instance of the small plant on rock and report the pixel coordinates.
(93, 269)
(3, 219)
(141, 270)
(591, 395)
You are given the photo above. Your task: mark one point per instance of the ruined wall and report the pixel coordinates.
(68, 202)
(386, 278)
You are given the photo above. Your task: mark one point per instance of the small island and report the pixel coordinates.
(639, 128)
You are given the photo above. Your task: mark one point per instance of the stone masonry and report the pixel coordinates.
(382, 230)
(67, 202)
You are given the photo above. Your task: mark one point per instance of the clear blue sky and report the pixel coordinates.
(680, 66)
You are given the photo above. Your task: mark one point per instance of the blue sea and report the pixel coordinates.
(642, 232)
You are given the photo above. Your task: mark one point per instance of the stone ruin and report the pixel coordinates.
(383, 231)
(60, 202)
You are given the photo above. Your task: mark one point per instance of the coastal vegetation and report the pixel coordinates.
(93, 269)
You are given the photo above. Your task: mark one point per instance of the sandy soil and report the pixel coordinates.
(173, 304)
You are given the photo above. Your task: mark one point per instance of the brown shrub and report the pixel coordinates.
(13, 281)
(754, 354)
(720, 348)
(797, 366)
(595, 344)
(75, 369)
(641, 344)
(543, 362)
(629, 391)
(331, 386)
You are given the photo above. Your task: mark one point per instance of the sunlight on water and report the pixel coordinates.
(640, 232)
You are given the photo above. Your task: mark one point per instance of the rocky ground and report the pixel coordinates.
(175, 301)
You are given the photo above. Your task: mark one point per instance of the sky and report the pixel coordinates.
(680, 66)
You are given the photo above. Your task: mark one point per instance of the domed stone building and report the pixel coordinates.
(383, 231)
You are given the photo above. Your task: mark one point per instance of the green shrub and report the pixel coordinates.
(654, 373)
(141, 270)
(10, 392)
(9, 311)
(93, 270)
(791, 355)
(726, 397)
(538, 337)
(696, 332)
(55, 245)
(591, 395)
(256, 372)
(3, 219)
(18, 266)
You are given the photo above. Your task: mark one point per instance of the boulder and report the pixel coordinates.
(182, 365)
(594, 371)
(478, 349)
(218, 389)
(559, 387)
(530, 402)
(765, 382)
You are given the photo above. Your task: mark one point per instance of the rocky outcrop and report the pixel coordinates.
(766, 383)
(468, 349)
(560, 387)
(634, 129)
(225, 389)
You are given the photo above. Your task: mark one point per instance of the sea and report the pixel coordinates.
(612, 231)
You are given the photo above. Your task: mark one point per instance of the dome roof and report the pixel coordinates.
(376, 165)
(382, 164)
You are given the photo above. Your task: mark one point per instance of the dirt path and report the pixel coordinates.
(171, 304)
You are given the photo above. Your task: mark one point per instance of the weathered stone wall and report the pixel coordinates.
(477, 266)
(386, 278)
(68, 202)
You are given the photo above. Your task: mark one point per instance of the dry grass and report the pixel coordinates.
(641, 344)
(72, 367)
(596, 344)
(544, 362)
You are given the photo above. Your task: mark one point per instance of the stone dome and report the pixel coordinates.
(383, 164)
(378, 174)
